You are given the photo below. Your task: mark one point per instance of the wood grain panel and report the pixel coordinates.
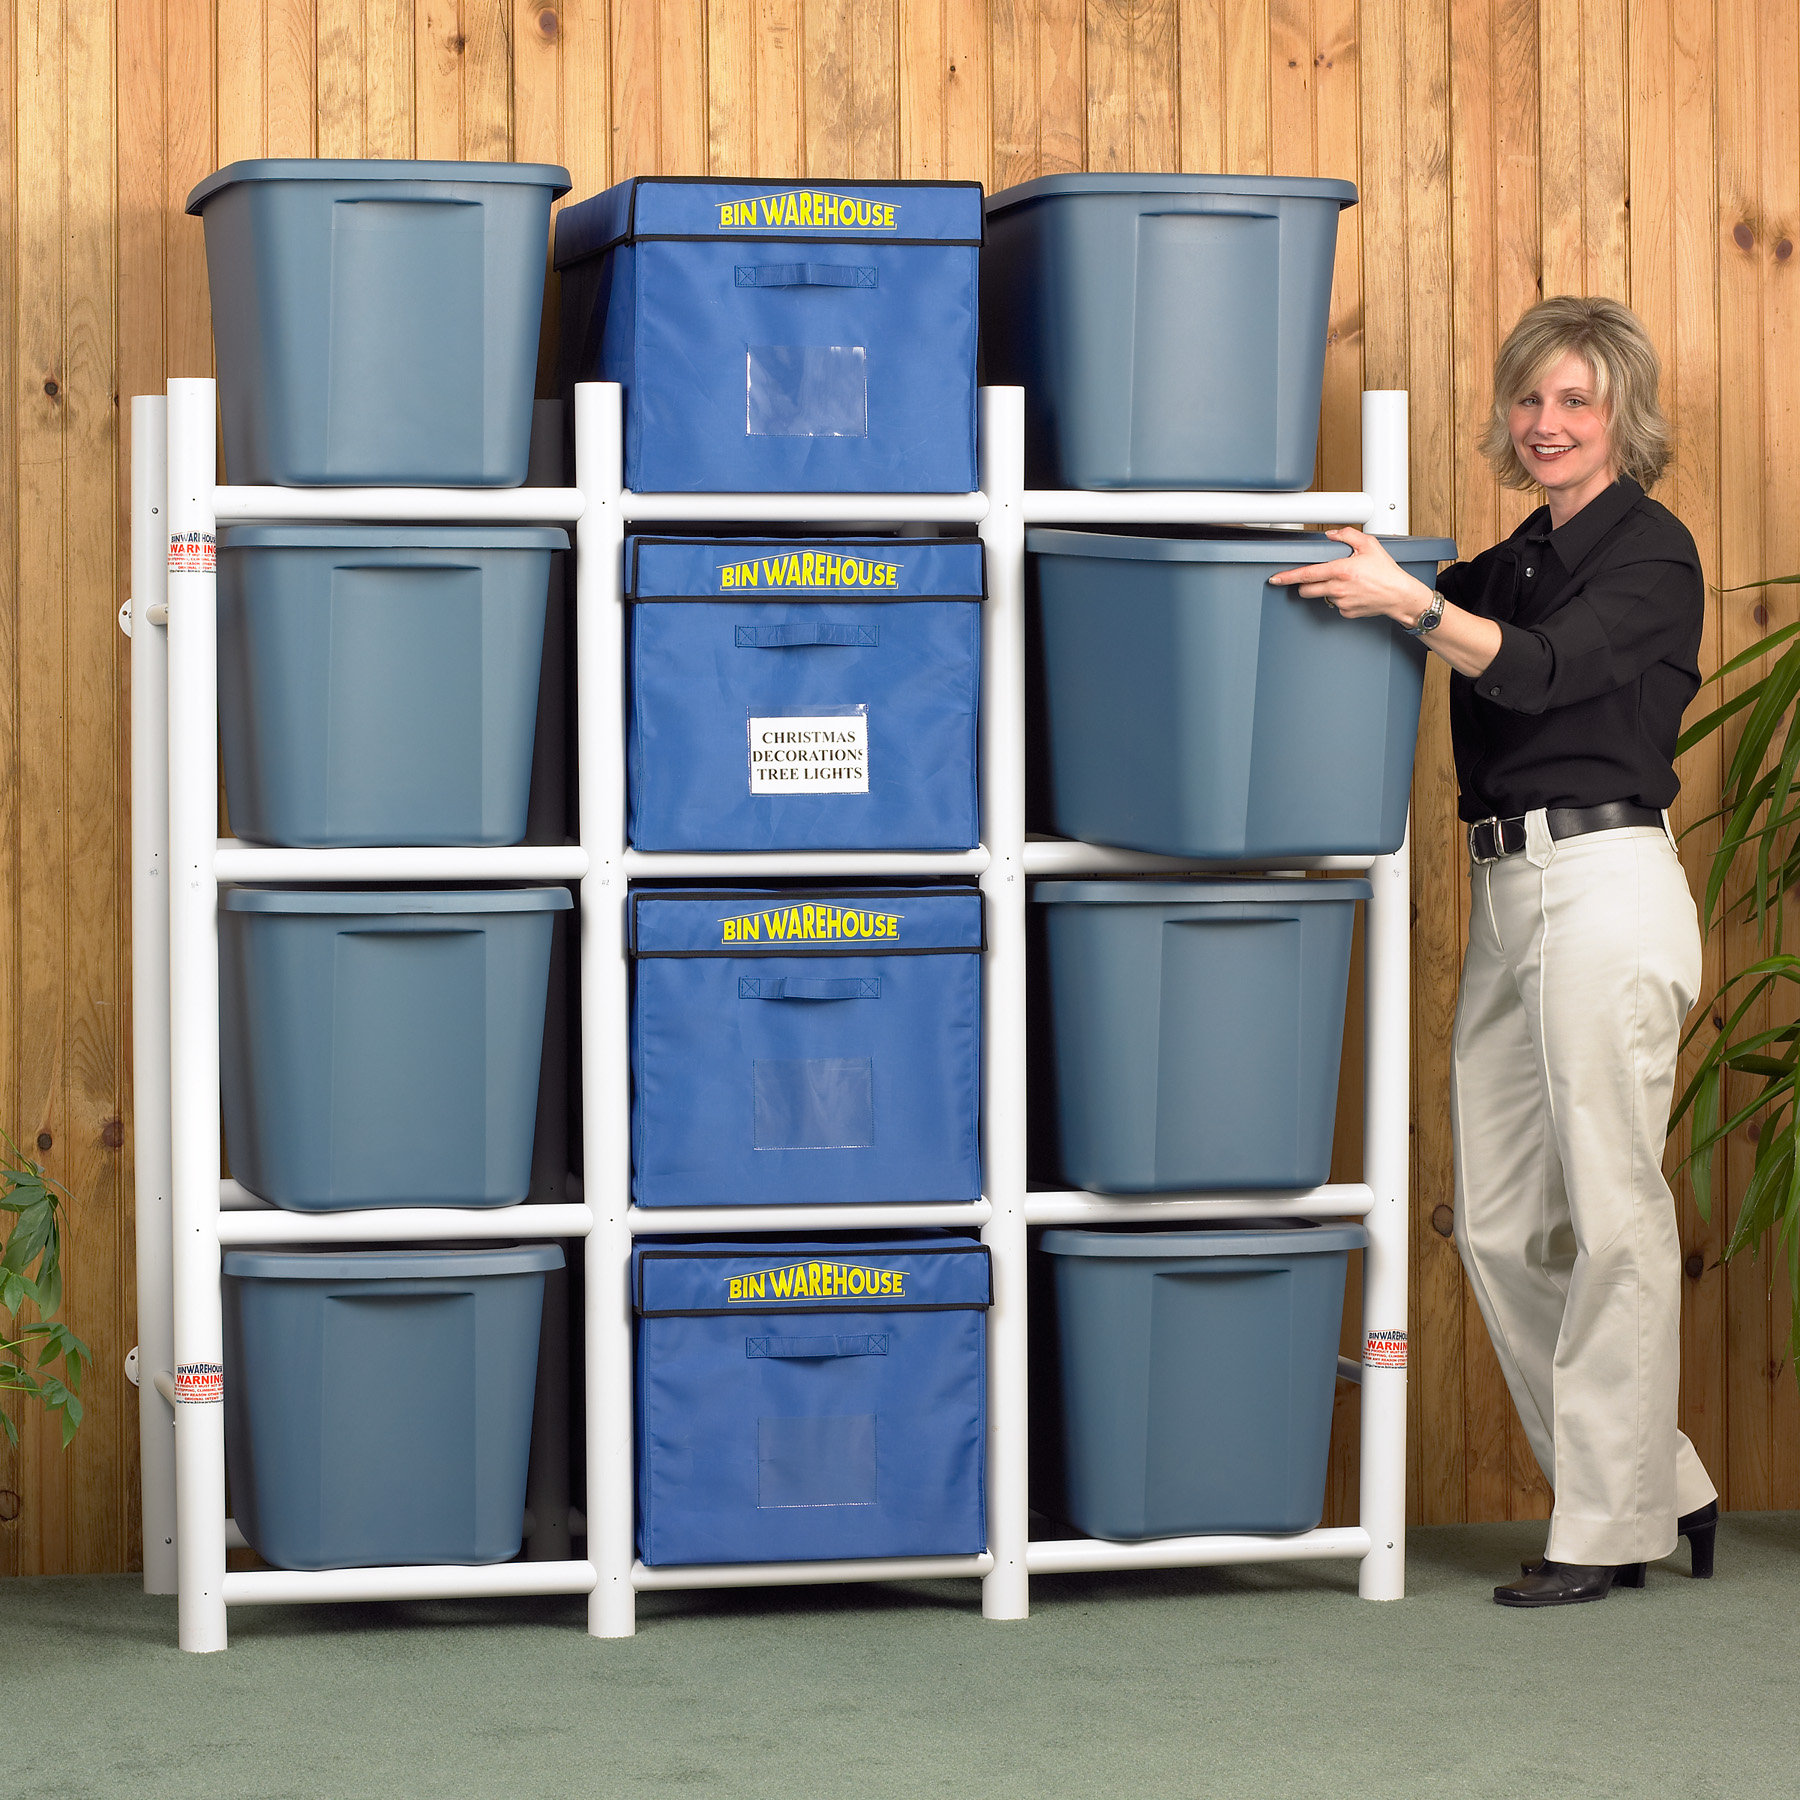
(1502, 148)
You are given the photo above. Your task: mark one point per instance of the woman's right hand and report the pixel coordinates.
(1366, 584)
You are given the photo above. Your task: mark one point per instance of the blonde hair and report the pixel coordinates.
(1611, 340)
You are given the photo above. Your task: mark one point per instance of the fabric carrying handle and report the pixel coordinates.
(801, 987)
(782, 275)
(803, 636)
(868, 1343)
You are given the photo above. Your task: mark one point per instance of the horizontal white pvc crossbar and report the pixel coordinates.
(429, 1581)
(1345, 1200)
(951, 1215)
(1142, 506)
(788, 865)
(404, 1224)
(819, 509)
(1066, 856)
(808, 1574)
(236, 862)
(442, 506)
(1069, 1556)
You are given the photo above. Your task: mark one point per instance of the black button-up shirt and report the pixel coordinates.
(1599, 655)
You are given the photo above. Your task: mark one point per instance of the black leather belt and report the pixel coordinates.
(1492, 839)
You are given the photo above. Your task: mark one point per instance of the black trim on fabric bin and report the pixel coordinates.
(763, 181)
(870, 1303)
(812, 897)
(639, 543)
(801, 1311)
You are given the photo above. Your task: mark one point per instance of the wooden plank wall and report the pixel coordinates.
(1648, 149)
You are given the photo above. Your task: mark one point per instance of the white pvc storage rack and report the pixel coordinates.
(185, 1213)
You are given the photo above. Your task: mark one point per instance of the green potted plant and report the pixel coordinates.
(1760, 835)
(32, 1353)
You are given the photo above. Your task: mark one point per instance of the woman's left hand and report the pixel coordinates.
(1366, 584)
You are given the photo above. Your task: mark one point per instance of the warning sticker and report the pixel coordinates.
(811, 754)
(192, 553)
(1384, 1350)
(200, 1384)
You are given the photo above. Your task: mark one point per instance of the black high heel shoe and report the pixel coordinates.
(1699, 1527)
(1569, 1584)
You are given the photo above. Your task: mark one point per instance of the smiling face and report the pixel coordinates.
(1560, 431)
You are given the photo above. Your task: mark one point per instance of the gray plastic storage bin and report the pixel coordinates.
(1168, 330)
(1197, 1370)
(376, 323)
(1190, 708)
(1197, 1027)
(382, 1049)
(378, 1402)
(378, 683)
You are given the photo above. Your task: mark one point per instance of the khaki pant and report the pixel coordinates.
(1584, 957)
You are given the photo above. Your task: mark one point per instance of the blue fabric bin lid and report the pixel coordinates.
(1159, 891)
(695, 208)
(393, 537)
(810, 569)
(464, 900)
(1248, 187)
(374, 169)
(703, 1280)
(425, 1263)
(1251, 1237)
(1277, 549)
(777, 922)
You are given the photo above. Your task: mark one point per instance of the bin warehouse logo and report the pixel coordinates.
(807, 209)
(817, 1281)
(816, 571)
(811, 925)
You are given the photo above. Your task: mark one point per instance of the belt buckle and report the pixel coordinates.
(1497, 839)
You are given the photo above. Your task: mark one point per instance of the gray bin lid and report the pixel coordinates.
(1253, 1237)
(393, 537)
(463, 900)
(375, 169)
(1188, 892)
(1248, 187)
(1280, 549)
(424, 1263)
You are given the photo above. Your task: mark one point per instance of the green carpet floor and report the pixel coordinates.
(1266, 1684)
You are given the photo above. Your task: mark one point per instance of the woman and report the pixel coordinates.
(1573, 646)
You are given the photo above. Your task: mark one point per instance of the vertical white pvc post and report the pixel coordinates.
(194, 1015)
(1387, 1110)
(1005, 1591)
(1387, 1101)
(150, 981)
(1384, 449)
(605, 1003)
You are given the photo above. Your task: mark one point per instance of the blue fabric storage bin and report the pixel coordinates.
(804, 1402)
(870, 647)
(776, 336)
(383, 1048)
(378, 1402)
(376, 321)
(378, 684)
(805, 1047)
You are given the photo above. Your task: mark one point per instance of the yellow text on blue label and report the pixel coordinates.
(810, 925)
(807, 209)
(813, 569)
(818, 1281)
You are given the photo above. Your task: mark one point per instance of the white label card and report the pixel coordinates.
(808, 754)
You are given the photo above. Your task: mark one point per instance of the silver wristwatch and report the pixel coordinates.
(1429, 619)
